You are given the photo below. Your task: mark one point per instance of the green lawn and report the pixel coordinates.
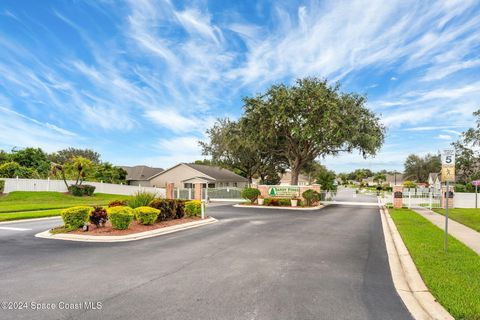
(468, 217)
(29, 214)
(27, 205)
(453, 277)
(34, 201)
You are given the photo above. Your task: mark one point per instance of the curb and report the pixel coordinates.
(129, 237)
(29, 220)
(281, 208)
(406, 278)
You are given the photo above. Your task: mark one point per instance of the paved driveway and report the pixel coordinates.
(268, 264)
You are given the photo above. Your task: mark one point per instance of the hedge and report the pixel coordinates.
(193, 208)
(75, 217)
(250, 194)
(120, 217)
(169, 208)
(146, 215)
(81, 190)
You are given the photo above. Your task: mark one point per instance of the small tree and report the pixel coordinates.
(75, 169)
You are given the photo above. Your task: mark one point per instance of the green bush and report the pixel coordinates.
(75, 217)
(464, 187)
(250, 194)
(146, 215)
(193, 208)
(275, 202)
(311, 197)
(81, 190)
(120, 217)
(2, 186)
(168, 208)
(12, 170)
(180, 204)
(141, 199)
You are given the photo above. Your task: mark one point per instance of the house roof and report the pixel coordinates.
(141, 172)
(214, 173)
(390, 178)
(433, 176)
(217, 173)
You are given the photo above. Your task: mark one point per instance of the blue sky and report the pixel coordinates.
(140, 81)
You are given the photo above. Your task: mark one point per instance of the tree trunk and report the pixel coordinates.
(295, 172)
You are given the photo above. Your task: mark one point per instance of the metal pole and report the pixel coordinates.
(446, 217)
(476, 196)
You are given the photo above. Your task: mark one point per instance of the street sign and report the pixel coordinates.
(476, 183)
(448, 165)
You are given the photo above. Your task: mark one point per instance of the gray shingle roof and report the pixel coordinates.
(217, 173)
(141, 172)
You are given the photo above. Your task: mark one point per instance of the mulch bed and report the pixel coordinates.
(134, 227)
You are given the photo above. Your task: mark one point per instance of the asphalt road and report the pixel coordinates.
(253, 264)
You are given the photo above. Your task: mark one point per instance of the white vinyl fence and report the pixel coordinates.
(430, 200)
(59, 186)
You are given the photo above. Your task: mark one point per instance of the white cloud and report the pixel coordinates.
(394, 78)
(444, 137)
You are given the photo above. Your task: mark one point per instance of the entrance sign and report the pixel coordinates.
(476, 183)
(288, 192)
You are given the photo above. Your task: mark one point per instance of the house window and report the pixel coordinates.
(227, 184)
(211, 185)
(235, 184)
(187, 185)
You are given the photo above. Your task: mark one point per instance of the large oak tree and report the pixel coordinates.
(312, 119)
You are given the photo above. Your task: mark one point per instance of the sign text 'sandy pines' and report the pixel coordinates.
(288, 192)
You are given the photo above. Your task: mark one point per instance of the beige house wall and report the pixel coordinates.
(176, 175)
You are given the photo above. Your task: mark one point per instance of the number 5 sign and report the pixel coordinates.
(448, 165)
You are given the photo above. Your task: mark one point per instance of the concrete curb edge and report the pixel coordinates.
(131, 237)
(406, 278)
(281, 208)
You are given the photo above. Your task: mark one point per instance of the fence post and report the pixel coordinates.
(409, 199)
(17, 187)
(48, 184)
(430, 194)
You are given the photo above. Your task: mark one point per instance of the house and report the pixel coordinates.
(140, 175)
(434, 182)
(394, 179)
(186, 175)
(286, 177)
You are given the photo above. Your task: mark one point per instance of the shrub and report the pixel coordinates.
(75, 217)
(409, 184)
(180, 204)
(311, 197)
(193, 208)
(98, 216)
(2, 186)
(13, 169)
(271, 202)
(250, 194)
(120, 217)
(146, 215)
(117, 203)
(141, 199)
(167, 207)
(81, 190)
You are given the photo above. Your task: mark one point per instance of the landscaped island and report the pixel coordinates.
(141, 213)
(310, 198)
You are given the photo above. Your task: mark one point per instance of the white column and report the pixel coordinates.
(16, 189)
(409, 199)
(189, 193)
(430, 196)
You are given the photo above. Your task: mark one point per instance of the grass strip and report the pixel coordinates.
(468, 217)
(453, 277)
(29, 214)
(20, 201)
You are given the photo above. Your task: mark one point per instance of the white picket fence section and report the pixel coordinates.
(59, 186)
(430, 200)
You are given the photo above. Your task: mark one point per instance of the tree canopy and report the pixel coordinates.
(417, 168)
(312, 119)
(467, 153)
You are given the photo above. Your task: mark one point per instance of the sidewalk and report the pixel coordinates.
(464, 234)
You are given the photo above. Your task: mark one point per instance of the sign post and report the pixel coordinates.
(476, 183)
(448, 175)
